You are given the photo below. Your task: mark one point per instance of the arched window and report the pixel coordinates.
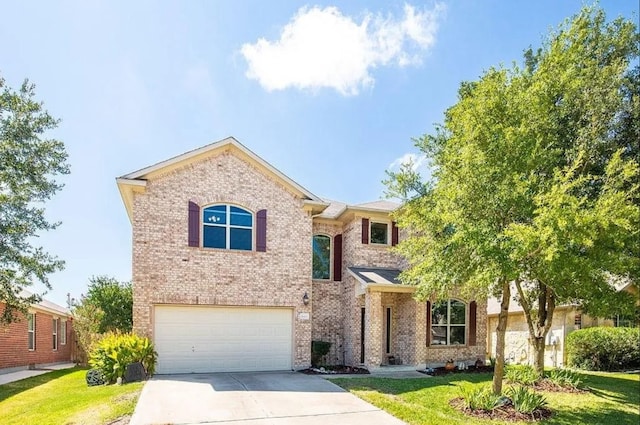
(227, 227)
(321, 257)
(448, 323)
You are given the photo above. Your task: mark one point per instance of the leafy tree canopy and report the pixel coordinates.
(30, 164)
(114, 300)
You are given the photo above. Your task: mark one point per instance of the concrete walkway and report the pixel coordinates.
(26, 373)
(261, 398)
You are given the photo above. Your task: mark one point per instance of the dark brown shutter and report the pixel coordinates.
(261, 231)
(428, 323)
(337, 257)
(194, 224)
(365, 230)
(473, 308)
(394, 234)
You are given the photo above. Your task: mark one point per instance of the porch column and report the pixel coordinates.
(373, 329)
(420, 336)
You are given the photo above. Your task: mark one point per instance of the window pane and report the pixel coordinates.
(457, 335)
(240, 239)
(31, 340)
(30, 321)
(439, 335)
(240, 217)
(457, 312)
(214, 237)
(321, 257)
(215, 215)
(379, 233)
(439, 313)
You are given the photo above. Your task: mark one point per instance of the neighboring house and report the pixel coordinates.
(236, 267)
(41, 337)
(566, 319)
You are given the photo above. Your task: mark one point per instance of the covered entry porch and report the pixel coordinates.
(392, 323)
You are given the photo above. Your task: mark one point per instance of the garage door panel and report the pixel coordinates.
(221, 339)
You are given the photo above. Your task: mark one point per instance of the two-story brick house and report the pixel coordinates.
(236, 267)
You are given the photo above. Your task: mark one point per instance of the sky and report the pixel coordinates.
(330, 93)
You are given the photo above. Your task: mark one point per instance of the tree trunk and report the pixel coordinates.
(546, 307)
(538, 331)
(498, 372)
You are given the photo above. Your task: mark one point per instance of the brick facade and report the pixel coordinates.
(166, 270)
(14, 346)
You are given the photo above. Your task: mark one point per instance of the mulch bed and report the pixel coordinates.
(335, 370)
(546, 385)
(441, 371)
(505, 413)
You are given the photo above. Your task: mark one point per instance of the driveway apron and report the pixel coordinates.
(273, 398)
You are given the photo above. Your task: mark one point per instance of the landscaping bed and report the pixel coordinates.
(442, 371)
(504, 413)
(335, 370)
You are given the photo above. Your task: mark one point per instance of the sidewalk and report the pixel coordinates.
(22, 374)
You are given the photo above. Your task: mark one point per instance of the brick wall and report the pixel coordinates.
(14, 348)
(167, 271)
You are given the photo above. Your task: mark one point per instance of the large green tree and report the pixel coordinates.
(584, 229)
(533, 178)
(30, 164)
(114, 300)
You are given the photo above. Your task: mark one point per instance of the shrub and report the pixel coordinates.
(525, 400)
(319, 349)
(522, 374)
(603, 348)
(480, 398)
(115, 351)
(565, 378)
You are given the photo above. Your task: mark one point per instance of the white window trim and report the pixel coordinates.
(386, 223)
(449, 325)
(54, 323)
(228, 226)
(330, 257)
(31, 331)
(63, 332)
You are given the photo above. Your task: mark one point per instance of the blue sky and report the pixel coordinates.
(330, 93)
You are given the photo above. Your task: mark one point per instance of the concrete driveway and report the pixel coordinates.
(273, 398)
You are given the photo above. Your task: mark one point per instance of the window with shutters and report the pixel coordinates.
(448, 323)
(379, 233)
(321, 257)
(227, 227)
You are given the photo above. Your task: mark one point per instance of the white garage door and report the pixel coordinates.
(222, 339)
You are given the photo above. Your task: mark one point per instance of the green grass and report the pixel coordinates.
(614, 399)
(63, 397)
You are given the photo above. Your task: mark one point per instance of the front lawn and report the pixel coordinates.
(614, 399)
(62, 397)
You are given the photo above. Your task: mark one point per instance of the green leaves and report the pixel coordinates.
(29, 167)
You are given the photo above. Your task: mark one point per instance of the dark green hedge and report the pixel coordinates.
(603, 348)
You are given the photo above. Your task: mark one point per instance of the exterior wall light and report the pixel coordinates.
(305, 299)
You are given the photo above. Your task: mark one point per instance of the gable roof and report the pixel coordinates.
(136, 180)
(46, 305)
(336, 209)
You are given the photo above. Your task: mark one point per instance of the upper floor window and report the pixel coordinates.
(227, 227)
(448, 323)
(379, 233)
(31, 330)
(321, 257)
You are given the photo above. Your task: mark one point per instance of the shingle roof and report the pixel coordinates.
(376, 274)
(45, 304)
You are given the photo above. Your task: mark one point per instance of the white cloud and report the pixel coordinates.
(324, 48)
(416, 161)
